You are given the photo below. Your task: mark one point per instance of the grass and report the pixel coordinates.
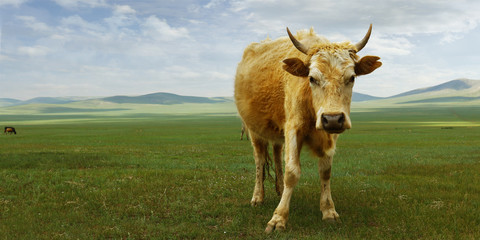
(405, 173)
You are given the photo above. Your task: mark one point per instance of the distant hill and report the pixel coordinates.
(458, 90)
(360, 97)
(48, 100)
(455, 91)
(5, 102)
(456, 85)
(161, 98)
(169, 98)
(8, 102)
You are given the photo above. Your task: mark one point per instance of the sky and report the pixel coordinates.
(55, 48)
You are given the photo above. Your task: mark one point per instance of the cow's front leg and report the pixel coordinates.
(293, 145)
(326, 203)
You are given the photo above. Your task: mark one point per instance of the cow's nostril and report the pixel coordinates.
(324, 120)
(341, 119)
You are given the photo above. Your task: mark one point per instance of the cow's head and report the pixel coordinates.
(331, 69)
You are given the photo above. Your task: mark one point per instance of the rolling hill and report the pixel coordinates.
(153, 98)
(5, 102)
(9, 102)
(360, 97)
(161, 98)
(49, 100)
(459, 90)
(454, 85)
(455, 91)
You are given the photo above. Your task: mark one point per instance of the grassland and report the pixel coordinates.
(138, 173)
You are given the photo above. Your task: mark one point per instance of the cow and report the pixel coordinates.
(293, 91)
(9, 130)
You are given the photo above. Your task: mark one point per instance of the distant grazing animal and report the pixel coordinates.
(244, 131)
(304, 100)
(9, 130)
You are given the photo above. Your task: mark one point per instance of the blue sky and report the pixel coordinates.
(103, 48)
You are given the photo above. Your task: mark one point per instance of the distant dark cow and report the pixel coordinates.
(9, 130)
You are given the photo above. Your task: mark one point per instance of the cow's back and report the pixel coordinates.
(259, 87)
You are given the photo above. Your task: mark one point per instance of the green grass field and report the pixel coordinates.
(400, 173)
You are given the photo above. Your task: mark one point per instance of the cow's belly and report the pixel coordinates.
(262, 115)
(265, 128)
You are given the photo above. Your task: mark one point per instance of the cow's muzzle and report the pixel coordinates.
(333, 123)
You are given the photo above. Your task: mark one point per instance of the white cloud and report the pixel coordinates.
(213, 3)
(81, 3)
(123, 9)
(390, 45)
(78, 22)
(160, 30)
(404, 18)
(34, 51)
(123, 16)
(15, 3)
(33, 23)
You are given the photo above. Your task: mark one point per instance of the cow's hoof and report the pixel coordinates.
(277, 223)
(331, 216)
(256, 201)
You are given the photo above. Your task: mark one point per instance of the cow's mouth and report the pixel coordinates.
(335, 131)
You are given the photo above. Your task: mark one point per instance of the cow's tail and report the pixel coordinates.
(266, 166)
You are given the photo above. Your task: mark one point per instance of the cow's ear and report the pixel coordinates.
(367, 65)
(296, 67)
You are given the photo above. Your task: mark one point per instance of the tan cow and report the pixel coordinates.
(297, 94)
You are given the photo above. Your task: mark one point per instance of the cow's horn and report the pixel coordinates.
(296, 43)
(359, 46)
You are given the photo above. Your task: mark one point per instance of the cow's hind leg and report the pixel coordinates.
(259, 152)
(277, 157)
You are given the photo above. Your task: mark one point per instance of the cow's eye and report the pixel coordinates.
(312, 80)
(352, 79)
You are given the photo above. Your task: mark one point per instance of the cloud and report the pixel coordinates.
(34, 51)
(15, 3)
(33, 23)
(213, 3)
(160, 30)
(405, 18)
(390, 45)
(123, 17)
(123, 9)
(81, 3)
(77, 23)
